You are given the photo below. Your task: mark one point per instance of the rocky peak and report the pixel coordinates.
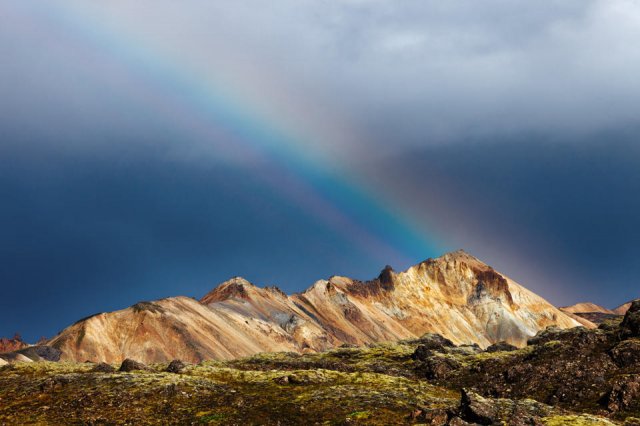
(13, 344)
(459, 274)
(236, 287)
(386, 276)
(276, 290)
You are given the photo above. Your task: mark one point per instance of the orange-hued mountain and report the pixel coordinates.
(455, 295)
(622, 309)
(586, 307)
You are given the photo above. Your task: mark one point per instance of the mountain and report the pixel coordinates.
(455, 295)
(595, 314)
(586, 307)
(622, 309)
(589, 314)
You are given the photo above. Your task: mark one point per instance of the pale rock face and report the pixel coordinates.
(3, 362)
(455, 295)
(21, 358)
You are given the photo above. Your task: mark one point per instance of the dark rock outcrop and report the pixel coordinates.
(434, 342)
(625, 394)
(103, 367)
(630, 326)
(175, 366)
(437, 367)
(627, 353)
(131, 365)
(486, 411)
(577, 369)
(501, 347)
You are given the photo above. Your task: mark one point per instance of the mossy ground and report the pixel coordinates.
(380, 384)
(210, 393)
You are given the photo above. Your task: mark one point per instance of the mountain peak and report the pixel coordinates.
(460, 256)
(236, 287)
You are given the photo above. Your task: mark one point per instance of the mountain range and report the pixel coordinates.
(455, 295)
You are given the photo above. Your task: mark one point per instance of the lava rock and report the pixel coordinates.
(578, 337)
(103, 367)
(132, 365)
(434, 417)
(547, 335)
(630, 326)
(477, 409)
(421, 353)
(435, 342)
(627, 353)
(501, 347)
(176, 366)
(625, 393)
(436, 366)
(488, 411)
(464, 350)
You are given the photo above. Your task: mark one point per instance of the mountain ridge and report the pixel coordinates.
(455, 295)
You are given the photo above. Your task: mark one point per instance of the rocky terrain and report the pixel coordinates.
(575, 376)
(455, 295)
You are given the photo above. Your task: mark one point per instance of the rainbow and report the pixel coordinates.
(231, 124)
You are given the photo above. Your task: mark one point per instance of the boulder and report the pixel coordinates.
(435, 366)
(176, 366)
(435, 342)
(630, 326)
(489, 411)
(132, 365)
(624, 394)
(103, 367)
(626, 353)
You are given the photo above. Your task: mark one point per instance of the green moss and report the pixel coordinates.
(359, 415)
(576, 420)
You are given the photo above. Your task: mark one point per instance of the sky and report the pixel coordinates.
(157, 148)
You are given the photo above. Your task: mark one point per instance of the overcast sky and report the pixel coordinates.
(140, 156)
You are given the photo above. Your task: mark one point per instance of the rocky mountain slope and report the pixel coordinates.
(622, 309)
(455, 295)
(12, 344)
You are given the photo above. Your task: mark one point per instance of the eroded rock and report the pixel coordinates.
(132, 365)
(176, 366)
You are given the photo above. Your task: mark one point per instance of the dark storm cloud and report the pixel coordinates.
(560, 216)
(503, 124)
(84, 235)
